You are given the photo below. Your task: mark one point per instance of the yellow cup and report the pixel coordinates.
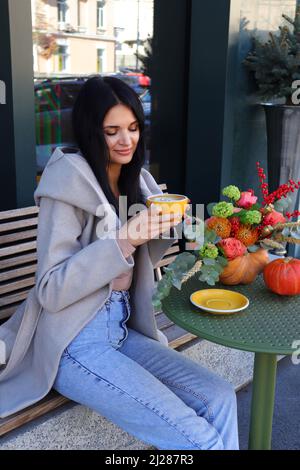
(169, 203)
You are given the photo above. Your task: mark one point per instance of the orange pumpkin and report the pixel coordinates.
(282, 276)
(244, 269)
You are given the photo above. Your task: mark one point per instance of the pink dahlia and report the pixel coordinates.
(232, 248)
(246, 200)
(273, 218)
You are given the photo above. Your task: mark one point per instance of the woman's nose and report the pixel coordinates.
(125, 138)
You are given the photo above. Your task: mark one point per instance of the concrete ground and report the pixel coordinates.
(286, 430)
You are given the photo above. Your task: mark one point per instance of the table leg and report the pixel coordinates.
(262, 406)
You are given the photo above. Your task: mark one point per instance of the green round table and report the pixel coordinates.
(268, 327)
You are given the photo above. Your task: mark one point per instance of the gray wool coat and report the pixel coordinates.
(74, 276)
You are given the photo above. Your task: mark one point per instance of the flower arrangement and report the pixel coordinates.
(237, 225)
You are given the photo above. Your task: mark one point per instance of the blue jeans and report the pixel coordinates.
(151, 391)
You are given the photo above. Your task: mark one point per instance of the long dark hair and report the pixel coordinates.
(96, 97)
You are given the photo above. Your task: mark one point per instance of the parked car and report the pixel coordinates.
(146, 102)
(138, 81)
(54, 101)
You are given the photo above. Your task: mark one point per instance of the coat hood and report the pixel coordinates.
(69, 178)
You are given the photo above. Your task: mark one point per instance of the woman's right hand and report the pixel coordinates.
(148, 224)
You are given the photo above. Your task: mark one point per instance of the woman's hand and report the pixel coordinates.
(148, 224)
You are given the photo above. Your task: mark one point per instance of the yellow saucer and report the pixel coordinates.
(219, 301)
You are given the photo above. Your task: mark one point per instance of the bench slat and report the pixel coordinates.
(21, 212)
(8, 311)
(162, 321)
(178, 336)
(16, 285)
(13, 273)
(52, 401)
(173, 249)
(18, 260)
(11, 250)
(165, 261)
(9, 226)
(14, 237)
(11, 299)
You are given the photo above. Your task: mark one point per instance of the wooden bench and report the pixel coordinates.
(18, 260)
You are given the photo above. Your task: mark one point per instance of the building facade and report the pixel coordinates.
(73, 37)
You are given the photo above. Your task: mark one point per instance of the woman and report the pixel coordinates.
(93, 335)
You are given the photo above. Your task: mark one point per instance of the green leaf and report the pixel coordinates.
(219, 269)
(157, 304)
(222, 261)
(177, 283)
(209, 261)
(210, 236)
(210, 207)
(253, 248)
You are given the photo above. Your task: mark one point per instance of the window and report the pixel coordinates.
(62, 58)
(82, 11)
(100, 60)
(61, 10)
(100, 14)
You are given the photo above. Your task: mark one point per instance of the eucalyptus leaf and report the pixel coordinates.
(156, 304)
(177, 283)
(211, 282)
(210, 236)
(209, 261)
(219, 269)
(222, 261)
(210, 207)
(253, 248)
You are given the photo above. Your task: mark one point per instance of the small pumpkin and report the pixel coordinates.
(282, 276)
(244, 269)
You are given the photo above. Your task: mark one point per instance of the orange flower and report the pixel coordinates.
(221, 226)
(235, 225)
(247, 235)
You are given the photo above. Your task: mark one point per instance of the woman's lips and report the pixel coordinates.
(124, 152)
